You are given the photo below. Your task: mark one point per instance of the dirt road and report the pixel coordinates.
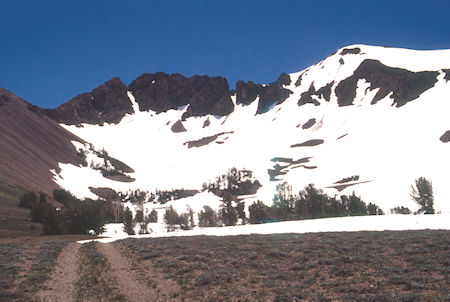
(113, 278)
(61, 286)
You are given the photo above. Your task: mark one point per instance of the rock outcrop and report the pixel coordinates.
(405, 85)
(161, 91)
(107, 103)
(269, 95)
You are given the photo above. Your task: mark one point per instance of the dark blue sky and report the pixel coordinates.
(51, 51)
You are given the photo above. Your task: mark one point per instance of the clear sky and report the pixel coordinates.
(51, 51)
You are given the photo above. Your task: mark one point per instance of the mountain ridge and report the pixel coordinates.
(176, 132)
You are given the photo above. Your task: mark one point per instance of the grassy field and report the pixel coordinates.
(94, 282)
(360, 266)
(24, 267)
(354, 266)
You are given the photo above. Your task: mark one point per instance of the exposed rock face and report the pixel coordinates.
(273, 93)
(309, 123)
(204, 95)
(352, 51)
(299, 80)
(309, 143)
(205, 140)
(246, 93)
(306, 97)
(31, 144)
(324, 92)
(447, 74)
(445, 138)
(405, 85)
(107, 103)
(178, 127)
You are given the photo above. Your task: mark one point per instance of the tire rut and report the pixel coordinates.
(123, 273)
(61, 285)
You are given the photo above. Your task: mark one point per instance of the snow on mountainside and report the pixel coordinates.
(378, 113)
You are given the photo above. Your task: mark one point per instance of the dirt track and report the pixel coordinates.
(121, 271)
(61, 286)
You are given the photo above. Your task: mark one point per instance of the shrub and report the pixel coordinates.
(240, 209)
(139, 216)
(258, 212)
(373, 209)
(228, 214)
(171, 218)
(153, 216)
(207, 217)
(84, 215)
(53, 222)
(355, 206)
(400, 210)
(28, 200)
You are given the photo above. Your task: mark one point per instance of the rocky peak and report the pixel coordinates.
(273, 93)
(161, 91)
(107, 103)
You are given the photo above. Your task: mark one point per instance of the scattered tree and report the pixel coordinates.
(422, 194)
(28, 200)
(171, 219)
(153, 216)
(373, 209)
(400, 210)
(240, 209)
(258, 212)
(128, 222)
(355, 206)
(207, 217)
(228, 213)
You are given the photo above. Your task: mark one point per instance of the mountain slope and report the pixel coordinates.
(372, 112)
(32, 145)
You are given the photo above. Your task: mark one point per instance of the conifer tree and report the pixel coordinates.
(422, 194)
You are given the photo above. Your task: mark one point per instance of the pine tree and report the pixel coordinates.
(153, 216)
(128, 222)
(207, 218)
(171, 219)
(422, 194)
(258, 212)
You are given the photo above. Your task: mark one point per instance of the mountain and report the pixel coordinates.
(32, 145)
(366, 119)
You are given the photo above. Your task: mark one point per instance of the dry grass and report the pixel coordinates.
(94, 282)
(24, 267)
(363, 266)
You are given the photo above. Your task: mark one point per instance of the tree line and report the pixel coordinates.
(75, 216)
(309, 203)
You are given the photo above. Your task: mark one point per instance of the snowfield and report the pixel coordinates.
(386, 146)
(115, 231)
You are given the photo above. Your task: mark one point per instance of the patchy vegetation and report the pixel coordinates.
(94, 282)
(369, 266)
(24, 267)
(112, 168)
(74, 217)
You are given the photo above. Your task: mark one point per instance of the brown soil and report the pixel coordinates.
(61, 287)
